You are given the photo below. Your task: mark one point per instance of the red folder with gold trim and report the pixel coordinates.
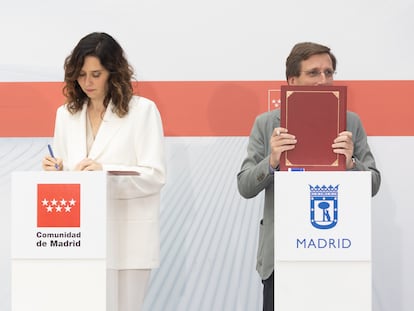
(315, 115)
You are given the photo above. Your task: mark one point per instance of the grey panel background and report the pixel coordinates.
(209, 233)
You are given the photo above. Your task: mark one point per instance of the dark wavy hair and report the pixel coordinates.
(112, 58)
(303, 51)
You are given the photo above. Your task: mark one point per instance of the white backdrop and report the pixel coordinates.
(209, 40)
(220, 40)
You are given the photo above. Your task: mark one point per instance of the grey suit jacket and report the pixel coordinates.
(255, 176)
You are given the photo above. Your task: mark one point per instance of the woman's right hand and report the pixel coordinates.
(52, 164)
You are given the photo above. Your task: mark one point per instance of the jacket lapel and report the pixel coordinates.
(78, 134)
(110, 125)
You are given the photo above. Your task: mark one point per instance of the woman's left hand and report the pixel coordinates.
(88, 165)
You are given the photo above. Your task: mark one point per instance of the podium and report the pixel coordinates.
(58, 241)
(323, 241)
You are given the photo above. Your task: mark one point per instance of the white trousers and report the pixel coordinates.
(125, 289)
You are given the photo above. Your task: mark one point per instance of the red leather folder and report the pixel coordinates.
(315, 115)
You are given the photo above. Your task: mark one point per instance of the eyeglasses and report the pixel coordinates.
(314, 73)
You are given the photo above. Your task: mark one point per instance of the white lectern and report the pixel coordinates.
(323, 241)
(58, 250)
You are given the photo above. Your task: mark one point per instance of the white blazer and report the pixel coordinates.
(132, 143)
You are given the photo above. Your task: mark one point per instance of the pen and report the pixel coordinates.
(52, 155)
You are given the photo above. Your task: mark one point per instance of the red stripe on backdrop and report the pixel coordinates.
(209, 108)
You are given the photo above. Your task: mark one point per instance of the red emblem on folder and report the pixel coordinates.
(58, 205)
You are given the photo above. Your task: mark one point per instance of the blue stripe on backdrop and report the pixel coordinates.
(16, 154)
(208, 232)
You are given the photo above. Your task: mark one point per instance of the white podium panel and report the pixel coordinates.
(58, 215)
(322, 241)
(58, 241)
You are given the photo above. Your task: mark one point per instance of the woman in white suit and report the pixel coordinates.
(103, 126)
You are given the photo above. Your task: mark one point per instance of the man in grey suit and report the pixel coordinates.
(307, 64)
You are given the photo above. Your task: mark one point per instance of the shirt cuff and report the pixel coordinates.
(272, 170)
